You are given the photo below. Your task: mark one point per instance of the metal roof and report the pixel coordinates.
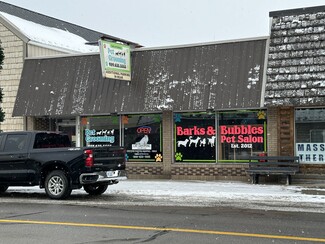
(196, 78)
(89, 35)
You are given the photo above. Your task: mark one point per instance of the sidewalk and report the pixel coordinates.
(221, 194)
(201, 194)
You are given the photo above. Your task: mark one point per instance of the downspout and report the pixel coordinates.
(78, 135)
(264, 79)
(267, 50)
(25, 55)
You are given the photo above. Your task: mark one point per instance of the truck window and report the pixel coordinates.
(15, 143)
(51, 140)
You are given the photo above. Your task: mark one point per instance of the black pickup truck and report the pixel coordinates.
(30, 158)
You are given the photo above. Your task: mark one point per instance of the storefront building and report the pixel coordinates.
(196, 111)
(295, 88)
(26, 34)
(191, 112)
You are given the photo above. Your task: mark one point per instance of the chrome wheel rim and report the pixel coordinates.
(56, 185)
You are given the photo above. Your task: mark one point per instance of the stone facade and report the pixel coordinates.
(296, 62)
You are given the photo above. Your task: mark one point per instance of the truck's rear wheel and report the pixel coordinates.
(57, 185)
(95, 189)
(3, 188)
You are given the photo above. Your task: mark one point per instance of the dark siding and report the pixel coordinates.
(216, 76)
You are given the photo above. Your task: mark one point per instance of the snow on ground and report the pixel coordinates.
(196, 193)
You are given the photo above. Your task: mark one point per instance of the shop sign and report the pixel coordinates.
(195, 131)
(195, 143)
(311, 152)
(241, 136)
(144, 146)
(93, 136)
(115, 60)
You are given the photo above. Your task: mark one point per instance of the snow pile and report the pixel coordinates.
(200, 194)
(50, 36)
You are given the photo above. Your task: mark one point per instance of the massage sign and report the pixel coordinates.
(241, 136)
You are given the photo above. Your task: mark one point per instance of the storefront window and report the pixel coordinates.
(67, 126)
(241, 133)
(310, 135)
(143, 137)
(100, 131)
(195, 137)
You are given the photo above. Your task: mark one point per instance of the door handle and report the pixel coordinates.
(17, 156)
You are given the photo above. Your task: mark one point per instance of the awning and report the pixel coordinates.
(193, 78)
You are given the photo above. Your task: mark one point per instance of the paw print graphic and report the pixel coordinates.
(178, 156)
(261, 115)
(158, 157)
(177, 118)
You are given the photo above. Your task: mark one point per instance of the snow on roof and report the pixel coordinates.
(50, 36)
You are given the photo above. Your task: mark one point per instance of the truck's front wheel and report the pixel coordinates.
(57, 185)
(95, 189)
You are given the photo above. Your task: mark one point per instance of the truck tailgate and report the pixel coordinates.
(109, 158)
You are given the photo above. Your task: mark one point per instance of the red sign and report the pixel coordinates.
(195, 131)
(144, 130)
(241, 134)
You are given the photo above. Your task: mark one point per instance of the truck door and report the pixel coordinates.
(13, 158)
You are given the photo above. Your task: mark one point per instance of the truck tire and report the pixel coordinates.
(3, 188)
(57, 185)
(95, 190)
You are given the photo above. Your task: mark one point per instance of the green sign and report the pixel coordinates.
(115, 60)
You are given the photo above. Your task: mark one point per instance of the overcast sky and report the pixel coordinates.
(154, 23)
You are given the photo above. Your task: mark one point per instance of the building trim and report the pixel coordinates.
(297, 11)
(14, 29)
(264, 79)
(200, 44)
(55, 48)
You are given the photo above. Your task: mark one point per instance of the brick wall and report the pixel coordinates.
(10, 77)
(41, 124)
(30, 123)
(145, 170)
(168, 124)
(210, 172)
(272, 131)
(312, 169)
